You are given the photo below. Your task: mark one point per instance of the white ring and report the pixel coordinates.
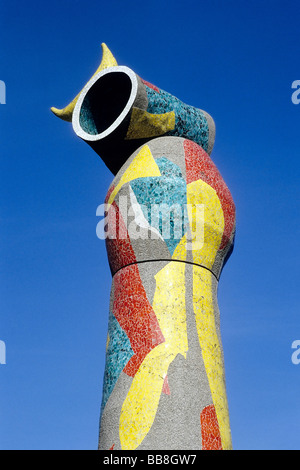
(76, 113)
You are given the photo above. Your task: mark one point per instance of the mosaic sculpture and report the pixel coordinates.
(170, 225)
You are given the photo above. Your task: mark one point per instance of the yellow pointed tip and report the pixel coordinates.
(108, 60)
(64, 113)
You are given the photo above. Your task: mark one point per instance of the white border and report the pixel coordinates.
(76, 113)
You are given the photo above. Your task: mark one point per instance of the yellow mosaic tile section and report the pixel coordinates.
(142, 165)
(211, 351)
(143, 124)
(205, 250)
(204, 253)
(180, 250)
(140, 406)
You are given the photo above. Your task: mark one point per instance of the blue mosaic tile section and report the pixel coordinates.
(190, 122)
(157, 195)
(118, 353)
(86, 119)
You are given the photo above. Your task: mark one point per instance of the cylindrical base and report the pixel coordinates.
(170, 225)
(164, 385)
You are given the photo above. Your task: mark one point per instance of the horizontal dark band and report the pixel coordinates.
(168, 260)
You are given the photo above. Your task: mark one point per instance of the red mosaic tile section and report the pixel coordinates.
(211, 439)
(166, 388)
(151, 86)
(200, 166)
(119, 250)
(136, 316)
(110, 190)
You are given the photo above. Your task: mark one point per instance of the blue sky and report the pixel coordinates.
(236, 60)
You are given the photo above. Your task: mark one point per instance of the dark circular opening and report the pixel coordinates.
(104, 102)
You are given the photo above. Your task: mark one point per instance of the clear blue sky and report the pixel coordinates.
(234, 59)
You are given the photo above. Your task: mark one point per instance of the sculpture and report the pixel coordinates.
(170, 222)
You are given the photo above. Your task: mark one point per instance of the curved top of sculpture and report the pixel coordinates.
(108, 60)
(104, 103)
(117, 111)
(169, 229)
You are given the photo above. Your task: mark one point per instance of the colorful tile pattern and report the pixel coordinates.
(118, 353)
(199, 166)
(135, 316)
(119, 248)
(164, 324)
(155, 325)
(141, 403)
(145, 125)
(169, 190)
(190, 122)
(203, 301)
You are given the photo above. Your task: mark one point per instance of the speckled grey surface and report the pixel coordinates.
(177, 421)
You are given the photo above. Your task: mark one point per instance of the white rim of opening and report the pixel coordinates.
(76, 113)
